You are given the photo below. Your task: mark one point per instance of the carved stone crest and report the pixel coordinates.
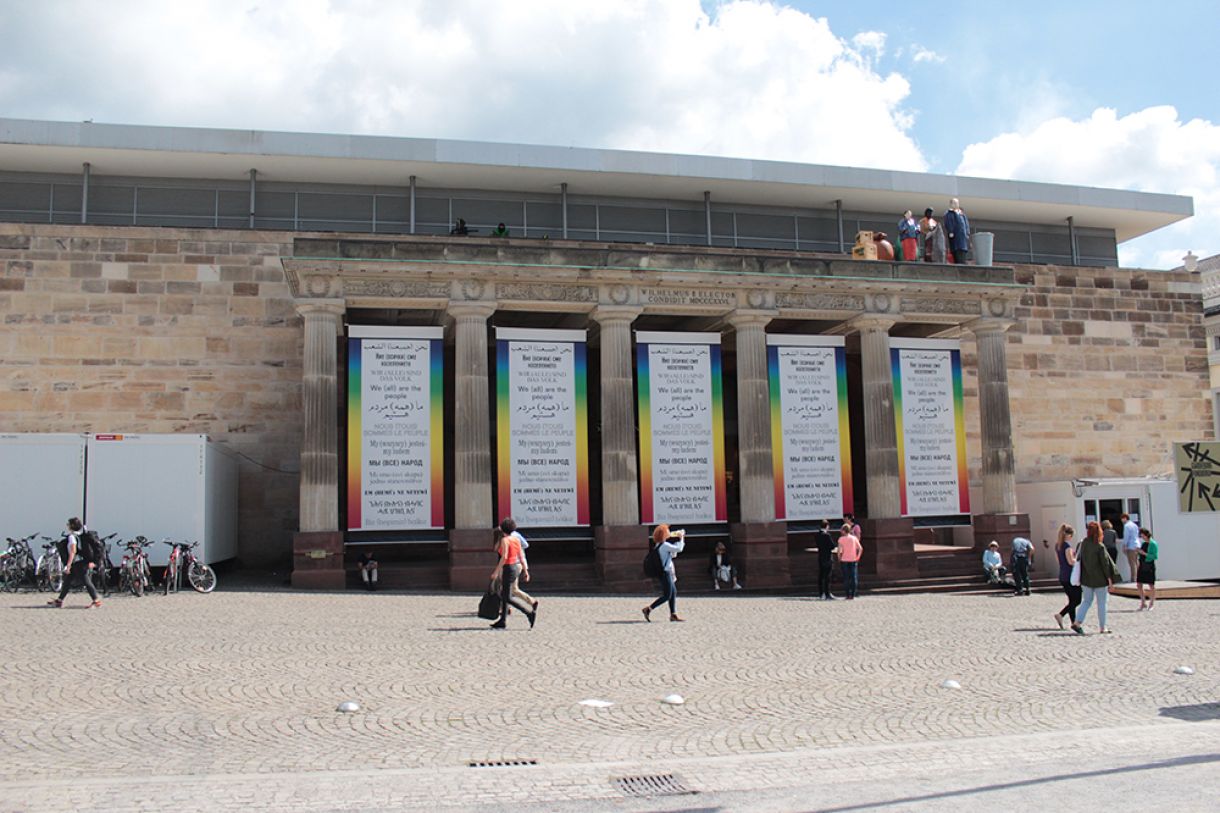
(619, 294)
(820, 302)
(397, 288)
(472, 289)
(547, 293)
(756, 298)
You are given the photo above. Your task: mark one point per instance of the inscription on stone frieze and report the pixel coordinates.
(820, 302)
(967, 307)
(688, 296)
(396, 288)
(547, 293)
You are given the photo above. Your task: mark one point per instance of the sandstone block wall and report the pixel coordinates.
(129, 329)
(121, 329)
(1107, 368)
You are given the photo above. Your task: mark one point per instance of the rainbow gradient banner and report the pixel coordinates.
(929, 416)
(681, 425)
(542, 427)
(810, 435)
(395, 434)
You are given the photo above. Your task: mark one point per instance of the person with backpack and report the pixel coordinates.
(659, 564)
(80, 551)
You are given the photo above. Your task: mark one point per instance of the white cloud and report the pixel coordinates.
(922, 54)
(873, 41)
(1151, 150)
(753, 80)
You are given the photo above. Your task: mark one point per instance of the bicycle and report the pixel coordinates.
(182, 558)
(101, 573)
(49, 570)
(134, 573)
(17, 564)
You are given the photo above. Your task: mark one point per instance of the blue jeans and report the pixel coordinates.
(669, 592)
(1088, 593)
(851, 578)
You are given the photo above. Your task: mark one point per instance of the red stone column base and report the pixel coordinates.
(1003, 528)
(620, 558)
(317, 560)
(471, 558)
(760, 550)
(889, 548)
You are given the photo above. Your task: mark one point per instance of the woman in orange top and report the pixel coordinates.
(510, 567)
(849, 551)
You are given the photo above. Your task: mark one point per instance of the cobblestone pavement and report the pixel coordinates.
(228, 701)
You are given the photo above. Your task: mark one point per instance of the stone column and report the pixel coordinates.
(620, 539)
(470, 541)
(760, 544)
(889, 550)
(999, 518)
(318, 547)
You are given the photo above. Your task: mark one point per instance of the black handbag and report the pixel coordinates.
(489, 605)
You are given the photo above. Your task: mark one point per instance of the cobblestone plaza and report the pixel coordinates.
(228, 701)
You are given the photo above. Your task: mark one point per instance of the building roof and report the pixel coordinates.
(188, 152)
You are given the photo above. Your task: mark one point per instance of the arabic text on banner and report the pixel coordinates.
(682, 475)
(542, 427)
(810, 435)
(930, 423)
(395, 396)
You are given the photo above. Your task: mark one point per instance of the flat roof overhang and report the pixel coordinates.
(229, 155)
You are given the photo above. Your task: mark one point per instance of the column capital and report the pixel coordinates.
(742, 317)
(604, 314)
(870, 321)
(475, 309)
(336, 307)
(988, 324)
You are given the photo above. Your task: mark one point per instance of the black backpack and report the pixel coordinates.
(652, 562)
(90, 548)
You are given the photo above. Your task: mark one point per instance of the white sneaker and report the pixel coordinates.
(715, 585)
(736, 586)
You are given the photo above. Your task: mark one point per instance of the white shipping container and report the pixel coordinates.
(177, 487)
(42, 478)
(1188, 543)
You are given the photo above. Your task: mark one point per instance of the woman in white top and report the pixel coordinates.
(669, 544)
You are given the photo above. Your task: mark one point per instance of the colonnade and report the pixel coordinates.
(761, 541)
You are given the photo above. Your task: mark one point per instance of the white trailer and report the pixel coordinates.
(42, 480)
(1189, 543)
(177, 487)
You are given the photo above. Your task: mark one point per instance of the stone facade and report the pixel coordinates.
(1107, 368)
(129, 329)
(119, 329)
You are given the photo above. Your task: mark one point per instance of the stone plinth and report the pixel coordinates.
(317, 560)
(760, 551)
(889, 548)
(471, 558)
(620, 557)
(1003, 528)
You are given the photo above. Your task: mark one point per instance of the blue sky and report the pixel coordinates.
(1114, 94)
(1008, 64)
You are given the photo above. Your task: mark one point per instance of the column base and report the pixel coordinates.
(760, 551)
(471, 558)
(1003, 528)
(620, 558)
(317, 560)
(889, 548)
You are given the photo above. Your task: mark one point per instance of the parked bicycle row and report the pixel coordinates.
(82, 558)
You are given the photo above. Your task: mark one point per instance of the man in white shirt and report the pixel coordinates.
(1131, 544)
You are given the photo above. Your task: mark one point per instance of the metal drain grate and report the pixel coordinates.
(503, 763)
(664, 784)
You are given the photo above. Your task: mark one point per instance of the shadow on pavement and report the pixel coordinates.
(1201, 759)
(1199, 712)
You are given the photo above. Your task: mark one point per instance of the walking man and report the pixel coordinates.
(77, 568)
(1022, 559)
